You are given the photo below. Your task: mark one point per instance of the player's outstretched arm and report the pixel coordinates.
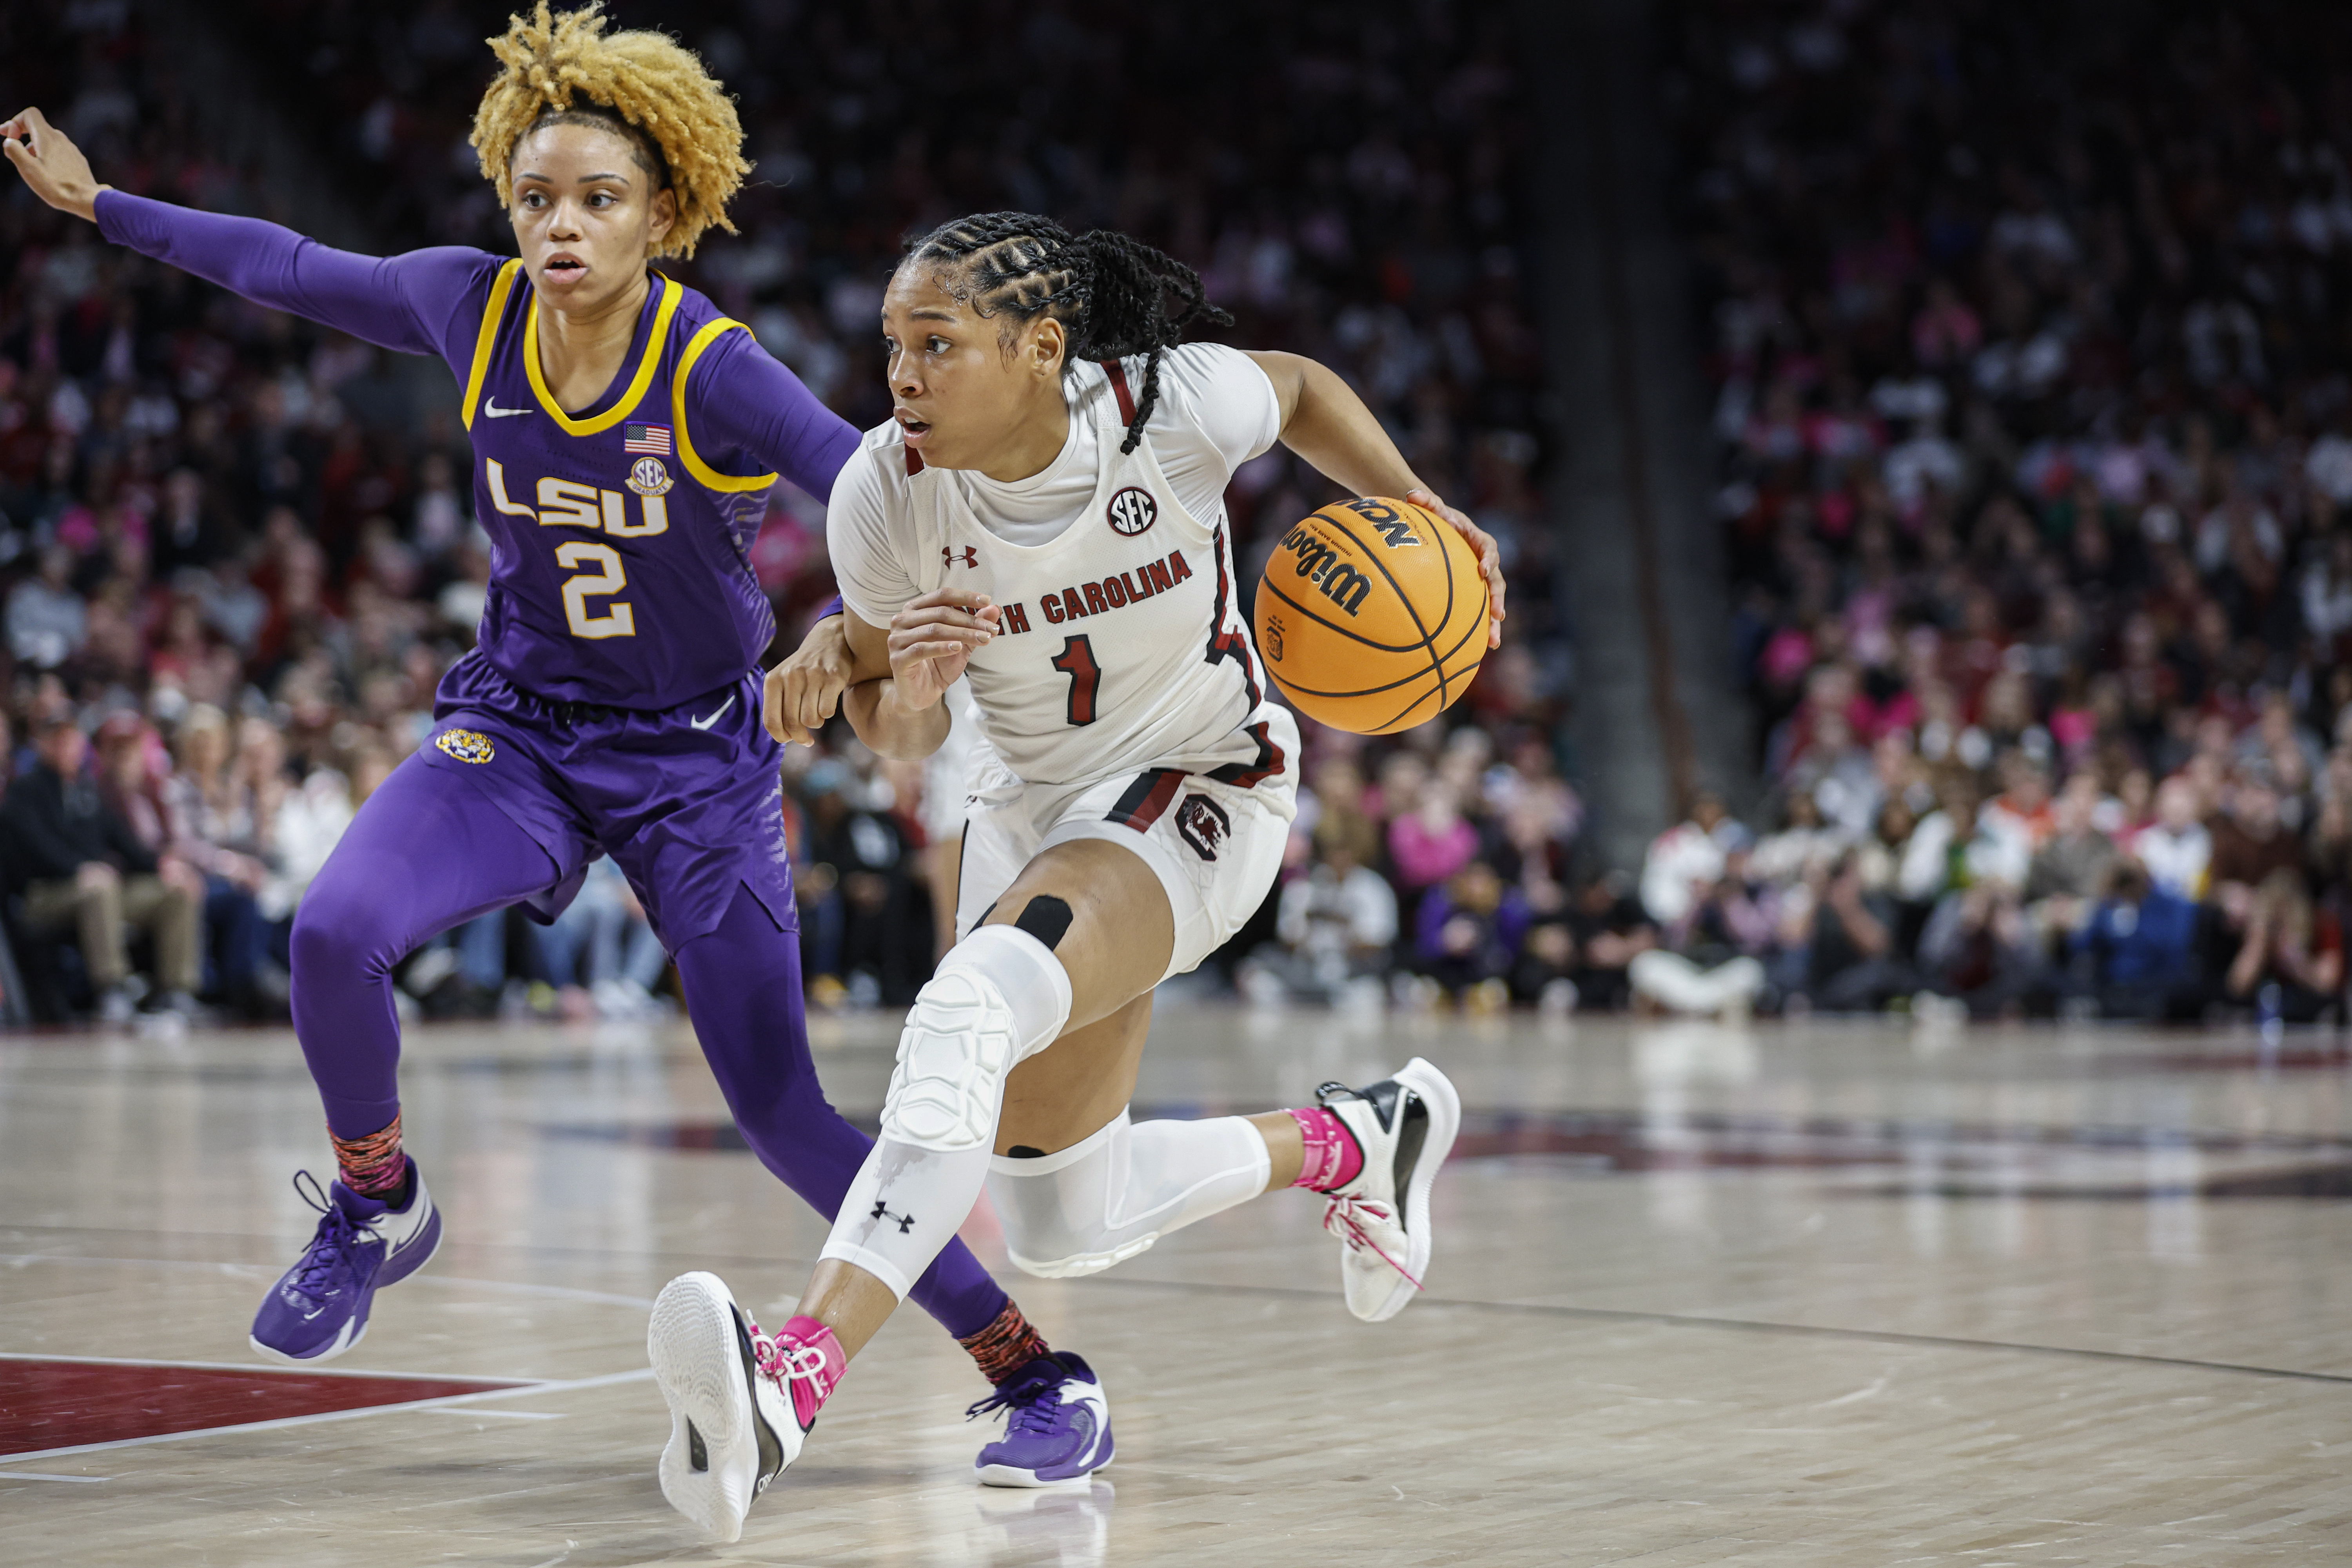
(397, 302)
(1326, 423)
(52, 166)
(899, 714)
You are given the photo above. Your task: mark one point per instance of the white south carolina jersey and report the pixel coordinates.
(1125, 641)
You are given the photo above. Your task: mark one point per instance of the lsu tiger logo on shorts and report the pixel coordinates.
(1203, 824)
(466, 745)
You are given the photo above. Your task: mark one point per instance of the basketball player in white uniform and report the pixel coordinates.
(1043, 515)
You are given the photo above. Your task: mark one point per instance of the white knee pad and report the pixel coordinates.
(1113, 1194)
(1000, 996)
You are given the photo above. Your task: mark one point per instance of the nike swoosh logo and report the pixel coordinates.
(706, 723)
(495, 412)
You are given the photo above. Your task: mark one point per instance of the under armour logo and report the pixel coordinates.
(968, 556)
(905, 1222)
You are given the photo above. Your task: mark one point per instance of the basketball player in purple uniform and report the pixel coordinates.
(625, 436)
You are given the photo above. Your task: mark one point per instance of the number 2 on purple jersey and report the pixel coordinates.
(1076, 660)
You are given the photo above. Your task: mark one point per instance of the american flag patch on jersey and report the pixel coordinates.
(653, 439)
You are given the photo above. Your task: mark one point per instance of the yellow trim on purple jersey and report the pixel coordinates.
(704, 474)
(487, 338)
(628, 403)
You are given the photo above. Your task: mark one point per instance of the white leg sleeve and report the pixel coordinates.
(999, 998)
(1105, 1199)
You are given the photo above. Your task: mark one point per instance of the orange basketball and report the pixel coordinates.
(1372, 616)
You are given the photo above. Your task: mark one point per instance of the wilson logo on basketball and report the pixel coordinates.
(1321, 564)
(1132, 510)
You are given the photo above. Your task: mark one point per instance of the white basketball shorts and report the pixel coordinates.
(1217, 845)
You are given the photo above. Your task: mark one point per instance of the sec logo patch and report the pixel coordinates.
(466, 745)
(1132, 510)
(648, 477)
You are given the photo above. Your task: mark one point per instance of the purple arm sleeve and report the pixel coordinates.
(404, 302)
(742, 401)
(832, 607)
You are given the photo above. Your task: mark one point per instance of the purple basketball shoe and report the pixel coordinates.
(318, 1309)
(1059, 1428)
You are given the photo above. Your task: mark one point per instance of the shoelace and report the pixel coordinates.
(1033, 1401)
(1346, 1218)
(329, 1252)
(780, 1365)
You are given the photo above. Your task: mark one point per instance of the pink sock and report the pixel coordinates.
(1332, 1158)
(807, 1358)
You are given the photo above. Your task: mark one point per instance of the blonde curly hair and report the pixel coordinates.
(652, 84)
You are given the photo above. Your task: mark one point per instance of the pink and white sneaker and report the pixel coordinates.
(740, 1402)
(1404, 1127)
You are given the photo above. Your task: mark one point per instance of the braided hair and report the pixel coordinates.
(1110, 291)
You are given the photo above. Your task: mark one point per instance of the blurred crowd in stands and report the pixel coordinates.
(2030, 338)
(236, 554)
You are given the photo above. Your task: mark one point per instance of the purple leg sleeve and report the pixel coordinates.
(425, 852)
(743, 989)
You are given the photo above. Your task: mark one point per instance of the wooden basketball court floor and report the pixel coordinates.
(1826, 1294)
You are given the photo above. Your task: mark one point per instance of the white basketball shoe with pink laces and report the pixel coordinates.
(1404, 1127)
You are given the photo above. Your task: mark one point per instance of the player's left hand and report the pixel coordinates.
(1490, 556)
(804, 692)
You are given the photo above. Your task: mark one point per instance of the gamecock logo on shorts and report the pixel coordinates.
(1203, 824)
(466, 745)
(1132, 510)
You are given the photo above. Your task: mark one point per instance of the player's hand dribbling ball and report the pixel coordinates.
(1372, 616)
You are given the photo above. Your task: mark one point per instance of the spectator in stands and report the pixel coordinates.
(2102, 528)
(1853, 962)
(602, 949)
(2141, 947)
(135, 782)
(2250, 847)
(2290, 964)
(1712, 959)
(1433, 840)
(1336, 926)
(213, 830)
(2177, 848)
(1955, 847)
(1686, 860)
(47, 621)
(2070, 869)
(75, 865)
(1782, 859)
(1466, 935)
(1606, 927)
(864, 853)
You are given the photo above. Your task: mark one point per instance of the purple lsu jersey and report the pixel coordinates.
(620, 565)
